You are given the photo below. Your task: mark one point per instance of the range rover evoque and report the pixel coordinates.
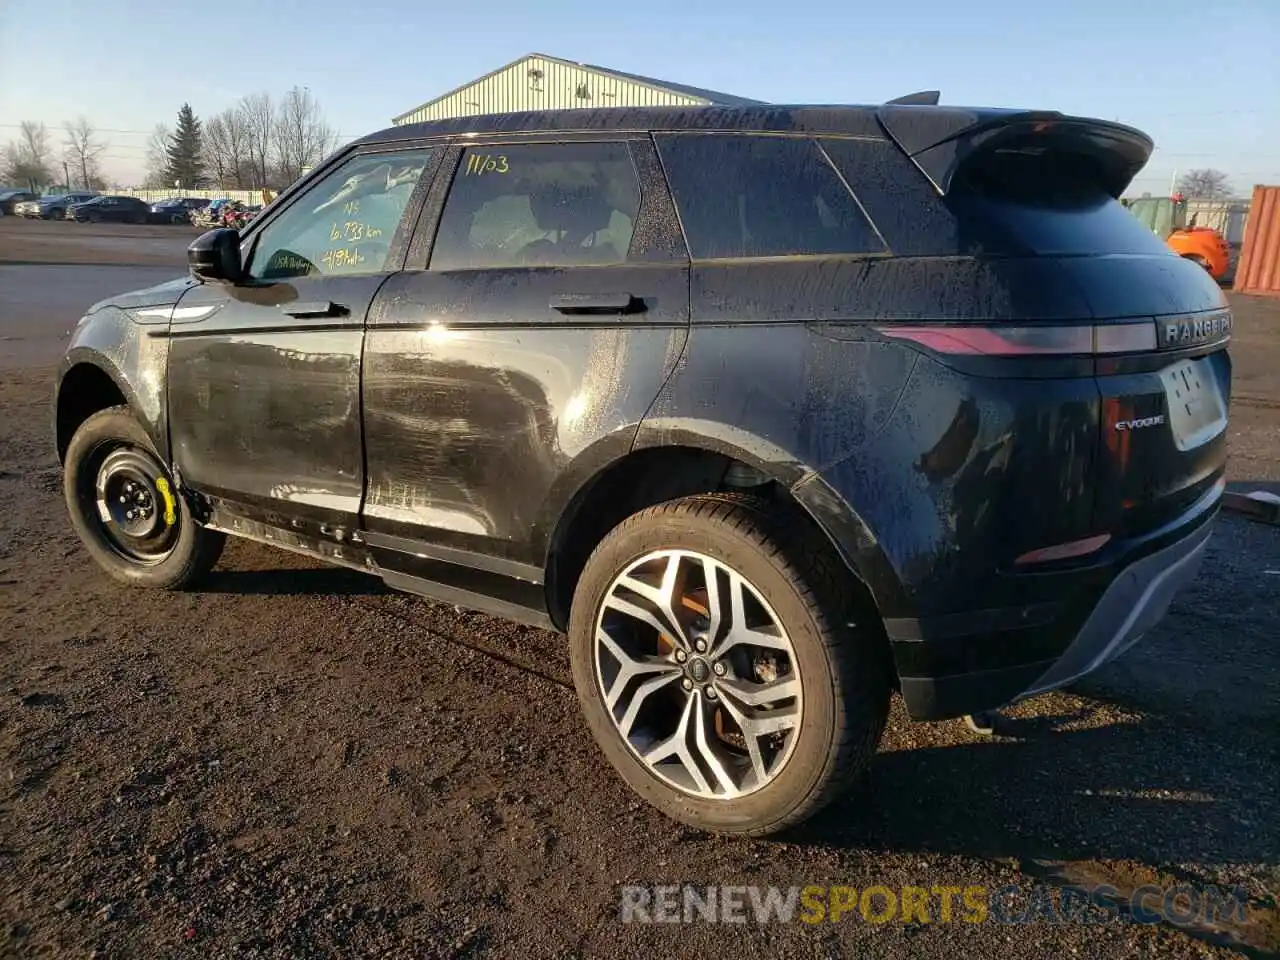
(774, 411)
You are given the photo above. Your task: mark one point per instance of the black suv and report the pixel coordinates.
(773, 410)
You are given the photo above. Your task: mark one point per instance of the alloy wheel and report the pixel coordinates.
(698, 674)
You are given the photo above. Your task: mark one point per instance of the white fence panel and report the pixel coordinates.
(251, 197)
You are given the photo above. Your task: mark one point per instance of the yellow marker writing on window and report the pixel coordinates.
(170, 507)
(480, 163)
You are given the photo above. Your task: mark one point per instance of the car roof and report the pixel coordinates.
(837, 119)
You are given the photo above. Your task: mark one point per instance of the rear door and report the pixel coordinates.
(519, 358)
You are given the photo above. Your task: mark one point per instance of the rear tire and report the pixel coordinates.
(816, 689)
(126, 509)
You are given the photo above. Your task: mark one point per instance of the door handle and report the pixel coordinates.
(575, 303)
(314, 308)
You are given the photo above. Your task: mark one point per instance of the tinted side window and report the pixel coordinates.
(543, 204)
(760, 196)
(343, 224)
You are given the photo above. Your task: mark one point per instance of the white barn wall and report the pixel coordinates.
(512, 89)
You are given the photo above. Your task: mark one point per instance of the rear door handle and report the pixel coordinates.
(314, 308)
(576, 303)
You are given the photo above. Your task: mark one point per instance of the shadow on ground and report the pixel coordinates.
(319, 581)
(1130, 790)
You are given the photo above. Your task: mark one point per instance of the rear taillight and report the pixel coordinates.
(1024, 341)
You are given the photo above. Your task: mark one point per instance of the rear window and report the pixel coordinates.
(1047, 204)
(761, 196)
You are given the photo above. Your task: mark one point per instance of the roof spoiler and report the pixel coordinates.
(926, 98)
(944, 141)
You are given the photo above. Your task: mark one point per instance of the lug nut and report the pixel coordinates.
(718, 668)
(711, 693)
(687, 683)
(700, 645)
(681, 656)
(124, 499)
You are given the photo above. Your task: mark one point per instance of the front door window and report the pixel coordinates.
(344, 224)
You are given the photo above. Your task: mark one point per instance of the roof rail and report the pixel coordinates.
(927, 98)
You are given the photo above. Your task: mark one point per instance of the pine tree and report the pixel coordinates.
(184, 163)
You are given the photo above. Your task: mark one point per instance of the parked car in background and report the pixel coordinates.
(176, 209)
(11, 198)
(54, 206)
(110, 209)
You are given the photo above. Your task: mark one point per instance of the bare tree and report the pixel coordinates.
(1206, 184)
(226, 138)
(258, 116)
(302, 137)
(238, 148)
(217, 159)
(158, 156)
(82, 148)
(29, 158)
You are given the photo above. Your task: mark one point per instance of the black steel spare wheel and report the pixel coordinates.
(126, 509)
(136, 505)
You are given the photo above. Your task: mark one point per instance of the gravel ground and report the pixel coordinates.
(293, 762)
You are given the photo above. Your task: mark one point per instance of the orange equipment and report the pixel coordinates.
(1167, 218)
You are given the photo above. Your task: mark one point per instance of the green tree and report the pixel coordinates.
(184, 163)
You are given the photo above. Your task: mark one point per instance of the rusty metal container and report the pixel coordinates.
(1259, 269)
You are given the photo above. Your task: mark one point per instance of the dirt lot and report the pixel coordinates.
(293, 762)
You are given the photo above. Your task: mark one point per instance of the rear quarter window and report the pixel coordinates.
(762, 196)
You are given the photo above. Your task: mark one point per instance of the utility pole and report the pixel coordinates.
(66, 174)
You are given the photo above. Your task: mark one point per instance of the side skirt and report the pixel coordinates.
(501, 588)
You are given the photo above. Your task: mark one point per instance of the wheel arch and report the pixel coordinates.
(89, 383)
(678, 461)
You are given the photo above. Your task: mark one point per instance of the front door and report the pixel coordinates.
(264, 377)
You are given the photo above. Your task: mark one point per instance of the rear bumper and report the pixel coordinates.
(1112, 608)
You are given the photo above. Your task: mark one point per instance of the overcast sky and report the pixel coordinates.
(1203, 78)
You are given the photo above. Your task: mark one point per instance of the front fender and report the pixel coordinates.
(133, 355)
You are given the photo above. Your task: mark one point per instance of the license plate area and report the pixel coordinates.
(1196, 411)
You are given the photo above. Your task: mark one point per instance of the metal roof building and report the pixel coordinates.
(540, 82)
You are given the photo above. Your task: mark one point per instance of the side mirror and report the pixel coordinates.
(216, 256)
